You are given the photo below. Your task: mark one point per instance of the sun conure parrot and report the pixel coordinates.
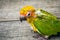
(41, 21)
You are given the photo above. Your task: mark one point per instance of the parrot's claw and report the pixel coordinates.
(40, 37)
(46, 36)
(33, 31)
(36, 36)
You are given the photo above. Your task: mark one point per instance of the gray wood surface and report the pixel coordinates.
(15, 30)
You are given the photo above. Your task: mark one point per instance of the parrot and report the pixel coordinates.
(41, 21)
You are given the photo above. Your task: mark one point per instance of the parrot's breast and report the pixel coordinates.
(31, 20)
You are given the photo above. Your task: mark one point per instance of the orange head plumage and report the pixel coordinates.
(27, 11)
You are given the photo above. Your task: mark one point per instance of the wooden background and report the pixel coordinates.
(15, 30)
(9, 9)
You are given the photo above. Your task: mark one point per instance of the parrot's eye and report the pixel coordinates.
(28, 14)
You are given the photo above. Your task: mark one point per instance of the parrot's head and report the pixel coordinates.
(27, 12)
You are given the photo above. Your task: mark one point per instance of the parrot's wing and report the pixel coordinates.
(47, 24)
(47, 27)
(41, 12)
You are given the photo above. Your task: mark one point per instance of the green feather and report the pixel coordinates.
(47, 24)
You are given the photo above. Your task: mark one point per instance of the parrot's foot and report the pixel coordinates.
(36, 36)
(33, 31)
(40, 37)
(46, 36)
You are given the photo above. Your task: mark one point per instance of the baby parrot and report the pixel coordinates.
(41, 21)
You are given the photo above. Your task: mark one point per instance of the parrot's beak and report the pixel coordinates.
(22, 19)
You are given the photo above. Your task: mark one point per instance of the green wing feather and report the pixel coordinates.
(47, 25)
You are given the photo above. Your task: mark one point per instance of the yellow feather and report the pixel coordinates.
(30, 20)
